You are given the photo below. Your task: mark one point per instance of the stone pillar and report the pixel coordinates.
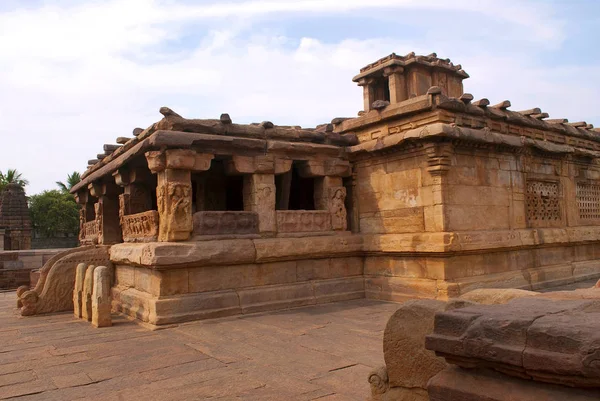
(1, 239)
(259, 197)
(397, 84)
(174, 190)
(101, 300)
(136, 196)
(368, 93)
(107, 212)
(330, 194)
(86, 303)
(259, 185)
(78, 290)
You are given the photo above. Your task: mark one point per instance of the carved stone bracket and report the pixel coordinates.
(180, 159)
(438, 158)
(322, 168)
(265, 164)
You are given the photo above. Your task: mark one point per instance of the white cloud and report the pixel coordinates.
(76, 76)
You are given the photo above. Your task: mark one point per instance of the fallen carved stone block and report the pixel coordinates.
(547, 340)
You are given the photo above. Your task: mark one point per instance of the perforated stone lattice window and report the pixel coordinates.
(588, 200)
(543, 201)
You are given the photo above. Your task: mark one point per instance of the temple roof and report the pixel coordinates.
(174, 130)
(14, 213)
(430, 61)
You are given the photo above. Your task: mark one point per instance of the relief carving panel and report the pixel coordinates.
(140, 227)
(292, 221)
(225, 222)
(175, 209)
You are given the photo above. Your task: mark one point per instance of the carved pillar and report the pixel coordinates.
(106, 212)
(174, 190)
(136, 197)
(86, 212)
(330, 194)
(259, 185)
(438, 164)
(396, 83)
(259, 197)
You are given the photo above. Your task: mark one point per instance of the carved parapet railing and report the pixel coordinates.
(140, 227)
(293, 221)
(89, 233)
(225, 222)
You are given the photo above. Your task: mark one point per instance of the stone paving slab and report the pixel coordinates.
(319, 352)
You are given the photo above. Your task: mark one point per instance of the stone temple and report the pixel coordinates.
(428, 193)
(15, 223)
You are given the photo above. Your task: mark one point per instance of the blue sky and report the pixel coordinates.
(75, 75)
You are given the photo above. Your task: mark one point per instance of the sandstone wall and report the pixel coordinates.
(189, 293)
(16, 266)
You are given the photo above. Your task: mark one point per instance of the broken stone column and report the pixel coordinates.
(86, 304)
(101, 300)
(80, 271)
(174, 189)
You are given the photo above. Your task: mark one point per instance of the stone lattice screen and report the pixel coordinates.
(543, 202)
(588, 200)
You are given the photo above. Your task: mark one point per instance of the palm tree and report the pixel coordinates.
(12, 176)
(72, 180)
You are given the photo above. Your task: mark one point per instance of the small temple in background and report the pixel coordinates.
(15, 223)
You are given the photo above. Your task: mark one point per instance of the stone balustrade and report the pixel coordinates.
(140, 227)
(225, 222)
(290, 221)
(90, 232)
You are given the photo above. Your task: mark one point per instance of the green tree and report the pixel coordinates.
(72, 180)
(54, 212)
(11, 176)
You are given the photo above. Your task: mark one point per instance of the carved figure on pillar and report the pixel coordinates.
(81, 223)
(337, 208)
(98, 210)
(175, 211)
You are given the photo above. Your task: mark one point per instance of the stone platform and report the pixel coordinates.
(319, 352)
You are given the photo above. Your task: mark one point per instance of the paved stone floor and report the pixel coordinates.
(315, 353)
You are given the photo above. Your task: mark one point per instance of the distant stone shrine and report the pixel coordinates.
(426, 194)
(15, 223)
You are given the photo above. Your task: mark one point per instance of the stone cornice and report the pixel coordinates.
(160, 255)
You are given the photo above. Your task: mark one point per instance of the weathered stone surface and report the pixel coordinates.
(78, 290)
(490, 296)
(88, 288)
(408, 363)
(14, 218)
(524, 338)
(455, 383)
(101, 297)
(54, 289)
(221, 223)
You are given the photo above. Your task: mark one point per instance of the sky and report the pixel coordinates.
(77, 74)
